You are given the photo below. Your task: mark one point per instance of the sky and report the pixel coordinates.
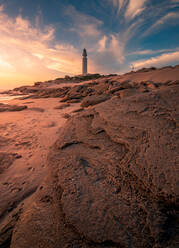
(43, 39)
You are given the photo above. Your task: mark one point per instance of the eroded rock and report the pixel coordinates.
(112, 178)
(63, 106)
(7, 159)
(6, 107)
(93, 100)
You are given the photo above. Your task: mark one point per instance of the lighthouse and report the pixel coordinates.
(84, 62)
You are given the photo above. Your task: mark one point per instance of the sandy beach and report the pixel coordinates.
(25, 137)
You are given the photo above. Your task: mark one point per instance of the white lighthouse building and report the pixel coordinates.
(84, 62)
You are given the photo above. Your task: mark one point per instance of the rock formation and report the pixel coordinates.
(6, 108)
(111, 176)
(142, 80)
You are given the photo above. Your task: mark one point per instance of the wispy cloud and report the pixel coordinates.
(84, 25)
(150, 52)
(158, 61)
(134, 8)
(132, 29)
(119, 4)
(162, 21)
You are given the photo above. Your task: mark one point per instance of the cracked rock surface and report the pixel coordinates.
(111, 178)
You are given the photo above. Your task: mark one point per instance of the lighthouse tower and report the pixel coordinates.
(84, 62)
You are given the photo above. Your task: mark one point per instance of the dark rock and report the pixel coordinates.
(17, 156)
(174, 82)
(28, 102)
(50, 124)
(6, 108)
(78, 110)
(76, 92)
(42, 92)
(127, 93)
(53, 92)
(66, 116)
(114, 89)
(74, 101)
(101, 88)
(62, 106)
(93, 100)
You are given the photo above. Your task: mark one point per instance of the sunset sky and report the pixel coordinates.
(43, 39)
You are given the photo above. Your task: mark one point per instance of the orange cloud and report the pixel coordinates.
(162, 60)
(26, 53)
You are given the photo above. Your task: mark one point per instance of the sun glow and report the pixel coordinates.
(27, 54)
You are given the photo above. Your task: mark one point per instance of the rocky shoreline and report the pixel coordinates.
(111, 175)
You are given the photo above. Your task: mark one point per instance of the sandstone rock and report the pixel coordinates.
(126, 93)
(6, 160)
(77, 110)
(6, 107)
(112, 178)
(42, 92)
(41, 110)
(143, 89)
(53, 92)
(63, 106)
(101, 87)
(50, 124)
(151, 86)
(125, 84)
(66, 116)
(114, 89)
(176, 82)
(4, 141)
(74, 93)
(74, 101)
(93, 100)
